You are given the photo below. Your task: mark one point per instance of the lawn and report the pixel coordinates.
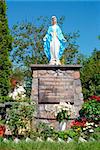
(49, 146)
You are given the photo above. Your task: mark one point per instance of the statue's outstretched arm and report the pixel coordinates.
(61, 35)
(47, 34)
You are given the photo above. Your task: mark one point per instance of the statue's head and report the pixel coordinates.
(54, 20)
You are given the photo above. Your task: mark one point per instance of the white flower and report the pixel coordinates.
(18, 93)
(89, 127)
(51, 127)
(84, 129)
(63, 106)
(91, 130)
(23, 96)
(87, 123)
(65, 109)
(10, 94)
(96, 125)
(92, 123)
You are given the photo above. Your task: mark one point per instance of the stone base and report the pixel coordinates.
(54, 84)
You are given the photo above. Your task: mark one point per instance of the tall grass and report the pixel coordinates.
(49, 146)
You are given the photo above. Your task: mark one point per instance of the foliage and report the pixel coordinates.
(96, 134)
(45, 130)
(63, 135)
(71, 133)
(88, 121)
(91, 110)
(61, 115)
(4, 99)
(90, 75)
(5, 48)
(20, 117)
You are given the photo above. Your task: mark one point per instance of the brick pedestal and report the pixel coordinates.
(52, 85)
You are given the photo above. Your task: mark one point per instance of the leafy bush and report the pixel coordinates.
(90, 75)
(63, 135)
(91, 110)
(71, 133)
(63, 114)
(20, 117)
(45, 130)
(96, 134)
(88, 121)
(4, 99)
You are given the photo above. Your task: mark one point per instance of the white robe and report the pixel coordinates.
(54, 45)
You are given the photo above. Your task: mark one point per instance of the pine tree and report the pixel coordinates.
(5, 48)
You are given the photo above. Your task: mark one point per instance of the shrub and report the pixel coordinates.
(4, 99)
(91, 110)
(45, 130)
(5, 48)
(20, 117)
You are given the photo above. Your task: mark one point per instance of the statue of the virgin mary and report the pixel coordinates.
(54, 43)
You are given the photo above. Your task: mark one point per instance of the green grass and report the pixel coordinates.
(49, 146)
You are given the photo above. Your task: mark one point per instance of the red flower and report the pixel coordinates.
(76, 123)
(2, 130)
(97, 98)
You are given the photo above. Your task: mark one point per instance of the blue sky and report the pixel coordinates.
(79, 15)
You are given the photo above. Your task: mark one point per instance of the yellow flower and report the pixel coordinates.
(78, 129)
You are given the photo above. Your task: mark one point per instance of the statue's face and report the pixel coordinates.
(54, 21)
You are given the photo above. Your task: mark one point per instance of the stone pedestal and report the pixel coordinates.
(52, 85)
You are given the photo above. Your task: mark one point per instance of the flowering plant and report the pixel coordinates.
(97, 98)
(61, 115)
(2, 130)
(63, 111)
(91, 110)
(89, 127)
(18, 93)
(20, 117)
(78, 123)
